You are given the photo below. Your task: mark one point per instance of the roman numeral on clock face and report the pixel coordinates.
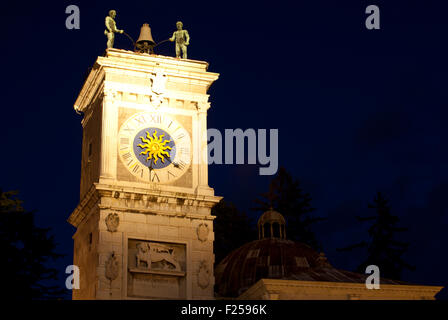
(172, 175)
(155, 118)
(124, 143)
(128, 157)
(180, 136)
(153, 176)
(129, 129)
(141, 119)
(138, 170)
(184, 151)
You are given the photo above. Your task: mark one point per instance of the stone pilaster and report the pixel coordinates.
(109, 135)
(202, 142)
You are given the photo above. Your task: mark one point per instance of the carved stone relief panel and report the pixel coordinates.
(202, 232)
(203, 275)
(161, 256)
(112, 222)
(112, 267)
(156, 269)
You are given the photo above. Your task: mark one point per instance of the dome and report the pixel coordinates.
(272, 258)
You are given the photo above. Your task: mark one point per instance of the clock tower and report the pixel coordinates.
(144, 227)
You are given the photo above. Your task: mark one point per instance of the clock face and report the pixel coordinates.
(154, 147)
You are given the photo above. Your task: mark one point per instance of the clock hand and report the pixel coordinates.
(150, 168)
(175, 164)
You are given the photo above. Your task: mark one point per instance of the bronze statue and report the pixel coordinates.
(111, 28)
(182, 40)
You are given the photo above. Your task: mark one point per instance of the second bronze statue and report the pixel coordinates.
(182, 39)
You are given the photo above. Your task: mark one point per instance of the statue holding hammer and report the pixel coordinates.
(111, 28)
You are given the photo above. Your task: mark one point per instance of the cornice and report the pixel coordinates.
(84, 207)
(107, 190)
(116, 61)
(98, 191)
(276, 284)
(89, 88)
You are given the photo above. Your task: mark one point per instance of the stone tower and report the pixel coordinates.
(144, 228)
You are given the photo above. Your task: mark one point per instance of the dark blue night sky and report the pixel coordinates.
(358, 111)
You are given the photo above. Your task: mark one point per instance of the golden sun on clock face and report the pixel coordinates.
(154, 147)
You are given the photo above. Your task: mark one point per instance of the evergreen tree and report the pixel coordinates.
(232, 227)
(287, 197)
(25, 251)
(383, 249)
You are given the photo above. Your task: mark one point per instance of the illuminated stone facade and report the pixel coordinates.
(278, 289)
(144, 228)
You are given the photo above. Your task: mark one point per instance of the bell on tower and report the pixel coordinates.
(145, 42)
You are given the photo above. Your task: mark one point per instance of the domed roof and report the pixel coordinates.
(272, 258)
(275, 258)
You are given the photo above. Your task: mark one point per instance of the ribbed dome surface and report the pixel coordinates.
(274, 258)
(271, 258)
